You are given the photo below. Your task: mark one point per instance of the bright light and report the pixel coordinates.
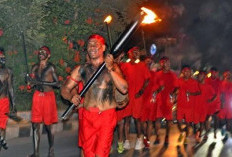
(108, 19)
(153, 49)
(128, 60)
(209, 75)
(150, 16)
(137, 61)
(196, 73)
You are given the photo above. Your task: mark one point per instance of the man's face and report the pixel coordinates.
(186, 73)
(214, 74)
(226, 75)
(135, 54)
(148, 61)
(2, 60)
(95, 49)
(165, 65)
(42, 55)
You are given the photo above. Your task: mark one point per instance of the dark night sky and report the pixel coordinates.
(203, 29)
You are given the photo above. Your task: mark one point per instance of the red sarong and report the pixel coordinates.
(4, 109)
(185, 108)
(98, 128)
(164, 106)
(149, 109)
(215, 106)
(44, 108)
(202, 106)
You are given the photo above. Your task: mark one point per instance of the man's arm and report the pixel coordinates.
(31, 78)
(175, 91)
(116, 74)
(137, 95)
(11, 91)
(213, 98)
(69, 85)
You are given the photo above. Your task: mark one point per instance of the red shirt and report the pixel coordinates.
(216, 84)
(152, 85)
(170, 81)
(207, 93)
(189, 85)
(135, 75)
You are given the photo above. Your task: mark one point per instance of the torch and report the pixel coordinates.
(25, 52)
(146, 16)
(107, 21)
(144, 41)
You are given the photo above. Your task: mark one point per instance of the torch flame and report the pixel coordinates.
(108, 19)
(150, 16)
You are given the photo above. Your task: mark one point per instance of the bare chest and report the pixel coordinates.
(41, 73)
(3, 75)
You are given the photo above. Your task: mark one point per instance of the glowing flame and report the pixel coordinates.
(209, 75)
(108, 19)
(150, 16)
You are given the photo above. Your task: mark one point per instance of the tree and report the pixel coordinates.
(62, 25)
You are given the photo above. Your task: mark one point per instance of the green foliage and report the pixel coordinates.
(63, 26)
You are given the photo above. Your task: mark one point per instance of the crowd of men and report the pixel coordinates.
(148, 94)
(196, 101)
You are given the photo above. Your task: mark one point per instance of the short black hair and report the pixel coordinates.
(164, 58)
(185, 66)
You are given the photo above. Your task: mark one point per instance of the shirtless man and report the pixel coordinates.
(99, 115)
(43, 78)
(6, 96)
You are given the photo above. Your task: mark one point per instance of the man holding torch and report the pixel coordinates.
(99, 115)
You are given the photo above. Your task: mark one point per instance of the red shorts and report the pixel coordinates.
(98, 129)
(136, 106)
(164, 108)
(80, 126)
(199, 115)
(4, 109)
(44, 108)
(225, 113)
(149, 111)
(185, 113)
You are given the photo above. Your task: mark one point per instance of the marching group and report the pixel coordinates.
(151, 94)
